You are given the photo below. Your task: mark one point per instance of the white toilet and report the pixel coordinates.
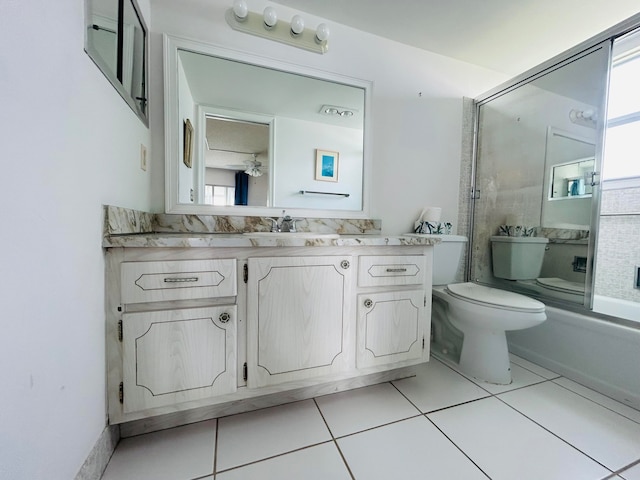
(469, 320)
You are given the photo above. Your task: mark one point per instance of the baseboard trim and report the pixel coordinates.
(184, 417)
(95, 464)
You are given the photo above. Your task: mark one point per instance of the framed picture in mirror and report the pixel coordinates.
(188, 143)
(327, 165)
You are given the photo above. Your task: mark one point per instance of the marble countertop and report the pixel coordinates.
(186, 240)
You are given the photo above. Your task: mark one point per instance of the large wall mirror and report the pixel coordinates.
(539, 144)
(245, 136)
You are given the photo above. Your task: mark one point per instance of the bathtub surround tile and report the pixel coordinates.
(364, 408)
(261, 434)
(437, 386)
(321, 462)
(605, 436)
(532, 367)
(412, 448)
(610, 403)
(507, 445)
(180, 453)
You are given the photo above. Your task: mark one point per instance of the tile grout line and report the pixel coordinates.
(438, 428)
(597, 403)
(627, 467)
(335, 442)
(553, 380)
(215, 450)
(272, 457)
(552, 433)
(456, 445)
(499, 393)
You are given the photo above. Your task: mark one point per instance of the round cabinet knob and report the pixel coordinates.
(224, 317)
(368, 303)
(345, 264)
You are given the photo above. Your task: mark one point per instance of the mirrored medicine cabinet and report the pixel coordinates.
(116, 41)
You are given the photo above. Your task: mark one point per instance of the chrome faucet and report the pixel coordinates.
(283, 224)
(288, 224)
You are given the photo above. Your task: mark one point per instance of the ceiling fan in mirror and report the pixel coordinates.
(253, 168)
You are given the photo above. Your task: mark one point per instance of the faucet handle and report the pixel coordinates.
(274, 224)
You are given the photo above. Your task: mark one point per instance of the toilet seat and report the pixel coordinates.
(495, 298)
(561, 285)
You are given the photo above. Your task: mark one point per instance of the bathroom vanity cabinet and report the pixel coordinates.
(298, 312)
(222, 329)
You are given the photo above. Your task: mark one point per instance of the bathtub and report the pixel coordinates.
(617, 308)
(596, 353)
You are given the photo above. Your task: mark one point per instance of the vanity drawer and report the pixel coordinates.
(381, 270)
(178, 280)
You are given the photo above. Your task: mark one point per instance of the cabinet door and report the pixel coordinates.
(174, 356)
(391, 328)
(298, 318)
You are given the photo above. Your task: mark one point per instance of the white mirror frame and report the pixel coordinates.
(173, 149)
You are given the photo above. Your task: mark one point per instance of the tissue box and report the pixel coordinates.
(438, 228)
(516, 231)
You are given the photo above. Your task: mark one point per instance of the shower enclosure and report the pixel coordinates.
(539, 148)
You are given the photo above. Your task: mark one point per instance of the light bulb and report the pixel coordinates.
(322, 33)
(240, 10)
(297, 25)
(270, 17)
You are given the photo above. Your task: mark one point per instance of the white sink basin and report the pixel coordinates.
(292, 235)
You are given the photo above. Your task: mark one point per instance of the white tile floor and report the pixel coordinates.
(438, 424)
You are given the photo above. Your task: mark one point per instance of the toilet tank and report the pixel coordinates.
(517, 258)
(447, 256)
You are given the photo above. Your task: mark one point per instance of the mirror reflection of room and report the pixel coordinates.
(239, 164)
(536, 152)
(236, 158)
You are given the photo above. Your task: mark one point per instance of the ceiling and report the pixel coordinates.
(508, 36)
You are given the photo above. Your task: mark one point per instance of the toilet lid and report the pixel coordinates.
(495, 297)
(561, 285)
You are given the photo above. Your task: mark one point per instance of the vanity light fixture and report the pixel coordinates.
(268, 26)
(334, 110)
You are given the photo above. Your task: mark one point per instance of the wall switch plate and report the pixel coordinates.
(143, 157)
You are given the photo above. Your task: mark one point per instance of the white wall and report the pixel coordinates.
(296, 165)
(417, 103)
(69, 145)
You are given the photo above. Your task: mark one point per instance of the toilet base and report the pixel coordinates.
(485, 356)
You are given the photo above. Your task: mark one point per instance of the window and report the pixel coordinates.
(116, 40)
(219, 195)
(622, 146)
